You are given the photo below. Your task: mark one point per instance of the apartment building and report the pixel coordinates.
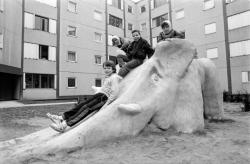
(10, 49)
(55, 48)
(238, 14)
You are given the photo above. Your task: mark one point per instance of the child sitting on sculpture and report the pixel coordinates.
(134, 54)
(107, 93)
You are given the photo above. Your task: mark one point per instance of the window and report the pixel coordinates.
(1, 5)
(52, 26)
(1, 41)
(130, 26)
(71, 56)
(72, 6)
(43, 52)
(29, 20)
(116, 3)
(98, 82)
(179, 14)
(110, 43)
(210, 28)
(71, 82)
(52, 53)
(39, 80)
(143, 9)
(31, 51)
(98, 60)
(154, 42)
(48, 2)
(158, 20)
(229, 1)
(130, 9)
(41, 23)
(158, 3)
(239, 20)
(1, 45)
(245, 77)
(98, 15)
(143, 27)
(71, 31)
(208, 4)
(212, 53)
(98, 37)
(115, 21)
(35, 51)
(240, 48)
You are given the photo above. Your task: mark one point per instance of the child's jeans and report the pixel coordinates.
(83, 109)
(126, 68)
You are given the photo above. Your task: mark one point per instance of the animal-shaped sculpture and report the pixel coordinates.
(171, 89)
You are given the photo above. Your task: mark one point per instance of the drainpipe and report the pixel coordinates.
(57, 78)
(22, 53)
(229, 80)
(150, 26)
(124, 18)
(106, 28)
(170, 11)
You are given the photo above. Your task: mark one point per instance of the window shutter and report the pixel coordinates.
(52, 53)
(52, 26)
(29, 21)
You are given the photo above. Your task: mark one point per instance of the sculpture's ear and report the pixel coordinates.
(174, 56)
(130, 109)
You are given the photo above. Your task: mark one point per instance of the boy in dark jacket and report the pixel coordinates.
(168, 32)
(135, 54)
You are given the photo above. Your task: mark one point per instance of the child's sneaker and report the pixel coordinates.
(55, 118)
(59, 127)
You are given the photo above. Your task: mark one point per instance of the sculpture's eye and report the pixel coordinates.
(155, 77)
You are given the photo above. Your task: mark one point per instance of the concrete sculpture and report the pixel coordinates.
(172, 89)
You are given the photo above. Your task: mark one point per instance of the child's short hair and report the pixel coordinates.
(110, 63)
(165, 23)
(136, 31)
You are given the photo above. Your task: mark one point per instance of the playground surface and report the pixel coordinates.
(227, 142)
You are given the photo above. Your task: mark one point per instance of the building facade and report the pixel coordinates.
(59, 45)
(11, 49)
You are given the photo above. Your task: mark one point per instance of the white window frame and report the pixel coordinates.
(72, 60)
(52, 3)
(68, 29)
(239, 20)
(154, 42)
(98, 56)
(52, 26)
(207, 2)
(240, 48)
(1, 41)
(31, 51)
(208, 28)
(52, 53)
(131, 26)
(95, 38)
(100, 80)
(141, 8)
(141, 27)
(179, 14)
(110, 37)
(212, 53)
(245, 76)
(96, 16)
(71, 2)
(132, 10)
(29, 20)
(68, 82)
(110, 2)
(1, 5)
